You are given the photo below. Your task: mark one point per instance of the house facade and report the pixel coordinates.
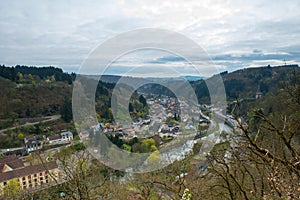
(33, 143)
(64, 137)
(30, 177)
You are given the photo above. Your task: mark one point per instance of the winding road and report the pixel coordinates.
(46, 119)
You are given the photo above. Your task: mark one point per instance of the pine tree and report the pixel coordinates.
(66, 110)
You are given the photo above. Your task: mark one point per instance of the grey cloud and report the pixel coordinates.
(256, 56)
(168, 59)
(64, 32)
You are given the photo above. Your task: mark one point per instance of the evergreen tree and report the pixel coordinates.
(143, 100)
(66, 110)
(130, 107)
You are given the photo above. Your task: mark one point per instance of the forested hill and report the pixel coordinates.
(39, 91)
(244, 83)
(16, 73)
(27, 92)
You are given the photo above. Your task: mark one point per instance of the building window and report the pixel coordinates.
(5, 183)
(41, 174)
(41, 179)
(23, 178)
(24, 183)
(35, 175)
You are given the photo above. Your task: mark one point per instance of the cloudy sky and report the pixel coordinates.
(234, 33)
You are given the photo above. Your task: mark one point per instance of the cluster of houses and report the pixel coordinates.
(171, 105)
(36, 142)
(167, 130)
(120, 132)
(115, 130)
(171, 108)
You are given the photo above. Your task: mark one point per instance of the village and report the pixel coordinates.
(31, 166)
(165, 120)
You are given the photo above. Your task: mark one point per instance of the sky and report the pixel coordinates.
(234, 33)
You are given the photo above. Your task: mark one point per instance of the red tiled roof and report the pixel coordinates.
(27, 171)
(7, 158)
(54, 137)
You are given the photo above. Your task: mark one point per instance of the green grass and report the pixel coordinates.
(188, 132)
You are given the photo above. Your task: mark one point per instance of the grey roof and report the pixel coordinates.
(36, 139)
(31, 142)
(66, 133)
